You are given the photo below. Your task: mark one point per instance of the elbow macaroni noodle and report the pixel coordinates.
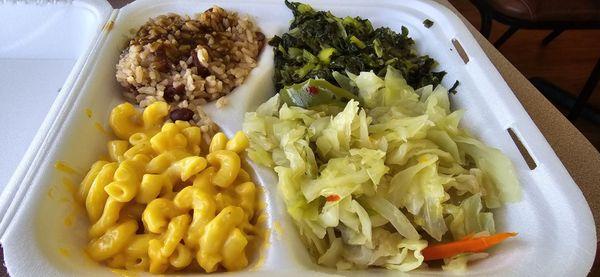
(158, 206)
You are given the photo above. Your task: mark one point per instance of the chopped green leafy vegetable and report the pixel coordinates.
(319, 43)
(428, 23)
(454, 86)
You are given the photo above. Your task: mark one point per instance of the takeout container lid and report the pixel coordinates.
(556, 229)
(42, 52)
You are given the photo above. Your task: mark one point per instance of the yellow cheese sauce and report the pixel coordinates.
(263, 245)
(51, 192)
(101, 128)
(74, 208)
(66, 193)
(278, 229)
(88, 112)
(69, 185)
(64, 167)
(124, 273)
(68, 221)
(109, 26)
(64, 252)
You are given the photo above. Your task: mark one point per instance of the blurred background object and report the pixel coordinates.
(554, 43)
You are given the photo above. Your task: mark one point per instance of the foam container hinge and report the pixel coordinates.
(47, 233)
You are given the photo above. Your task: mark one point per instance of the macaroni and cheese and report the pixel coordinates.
(160, 204)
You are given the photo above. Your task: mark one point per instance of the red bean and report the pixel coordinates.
(171, 91)
(184, 114)
(259, 36)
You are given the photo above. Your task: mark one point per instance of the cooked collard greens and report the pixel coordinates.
(319, 44)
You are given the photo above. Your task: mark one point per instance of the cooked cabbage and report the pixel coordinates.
(373, 183)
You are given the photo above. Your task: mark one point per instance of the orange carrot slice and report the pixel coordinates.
(333, 197)
(470, 244)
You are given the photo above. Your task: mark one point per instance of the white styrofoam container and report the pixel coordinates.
(556, 230)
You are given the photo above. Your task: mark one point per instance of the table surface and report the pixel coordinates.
(577, 154)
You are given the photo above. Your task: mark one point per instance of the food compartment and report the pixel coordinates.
(58, 226)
